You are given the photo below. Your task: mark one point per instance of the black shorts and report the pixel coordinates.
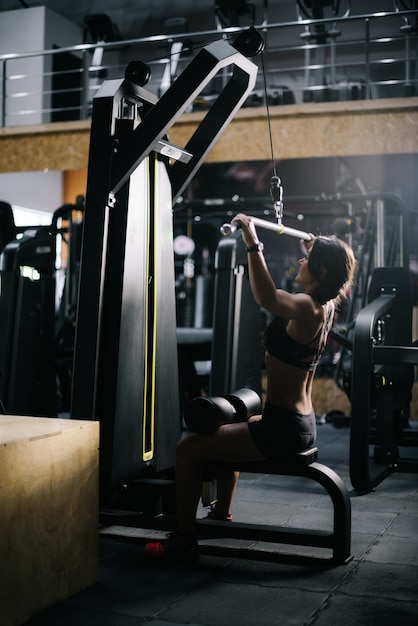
(282, 432)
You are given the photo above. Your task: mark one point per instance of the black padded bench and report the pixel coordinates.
(303, 464)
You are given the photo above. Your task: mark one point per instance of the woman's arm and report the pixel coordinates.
(277, 301)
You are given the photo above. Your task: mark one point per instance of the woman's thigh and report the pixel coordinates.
(230, 442)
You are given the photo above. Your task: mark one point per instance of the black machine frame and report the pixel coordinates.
(125, 368)
(131, 158)
(381, 381)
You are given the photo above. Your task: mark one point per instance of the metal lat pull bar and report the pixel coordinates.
(280, 229)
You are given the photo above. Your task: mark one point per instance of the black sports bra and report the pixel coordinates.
(280, 345)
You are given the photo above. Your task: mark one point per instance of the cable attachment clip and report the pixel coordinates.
(276, 192)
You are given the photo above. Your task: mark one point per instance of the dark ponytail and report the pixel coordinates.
(331, 262)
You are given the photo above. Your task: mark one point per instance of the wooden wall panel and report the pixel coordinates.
(60, 146)
(74, 185)
(299, 131)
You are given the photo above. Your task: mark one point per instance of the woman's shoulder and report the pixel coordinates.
(307, 303)
(308, 323)
(296, 306)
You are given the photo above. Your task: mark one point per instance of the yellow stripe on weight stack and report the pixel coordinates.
(150, 329)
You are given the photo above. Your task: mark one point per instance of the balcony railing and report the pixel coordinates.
(361, 57)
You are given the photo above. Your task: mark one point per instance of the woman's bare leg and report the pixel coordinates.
(231, 442)
(226, 483)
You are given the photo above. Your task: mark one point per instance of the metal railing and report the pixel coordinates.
(361, 57)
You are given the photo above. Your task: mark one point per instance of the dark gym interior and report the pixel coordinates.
(127, 318)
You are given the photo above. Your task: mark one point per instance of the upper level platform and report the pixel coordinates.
(386, 126)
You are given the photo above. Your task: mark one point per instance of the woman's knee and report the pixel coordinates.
(187, 447)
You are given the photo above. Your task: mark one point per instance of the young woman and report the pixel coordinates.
(294, 342)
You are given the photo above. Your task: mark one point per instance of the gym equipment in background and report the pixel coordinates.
(380, 384)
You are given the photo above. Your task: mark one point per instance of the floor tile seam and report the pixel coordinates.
(334, 591)
(377, 596)
(383, 496)
(322, 607)
(302, 510)
(180, 598)
(413, 492)
(281, 587)
(379, 536)
(332, 594)
(354, 567)
(396, 517)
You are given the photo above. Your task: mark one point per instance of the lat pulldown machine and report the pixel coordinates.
(125, 364)
(125, 368)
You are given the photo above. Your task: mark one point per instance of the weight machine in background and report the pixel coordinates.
(237, 323)
(27, 382)
(380, 385)
(36, 316)
(125, 366)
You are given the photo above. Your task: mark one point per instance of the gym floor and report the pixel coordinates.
(377, 587)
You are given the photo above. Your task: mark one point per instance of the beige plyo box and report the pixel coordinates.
(48, 512)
